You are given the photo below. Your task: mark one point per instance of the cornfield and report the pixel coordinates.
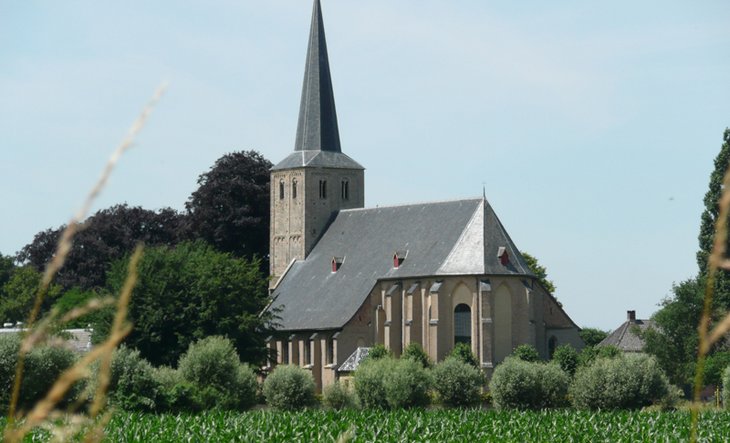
(415, 425)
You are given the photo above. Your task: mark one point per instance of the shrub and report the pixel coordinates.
(338, 396)
(589, 354)
(289, 387)
(517, 384)
(415, 352)
(715, 364)
(407, 384)
(462, 351)
(457, 383)
(176, 394)
(627, 382)
(132, 383)
(43, 365)
(567, 358)
(526, 352)
(212, 366)
(378, 352)
(369, 382)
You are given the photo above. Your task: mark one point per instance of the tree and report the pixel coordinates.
(18, 294)
(6, 268)
(106, 236)
(674, 340)
(230, 208)
(190, 292)
(540, 271)
(592, 336)
(710, 214)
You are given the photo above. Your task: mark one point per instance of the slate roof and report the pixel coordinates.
(79, 340)
(459, 237)
(318, 138)
(625, 338)
(354, 360)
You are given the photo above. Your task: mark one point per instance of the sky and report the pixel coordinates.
(591, 126)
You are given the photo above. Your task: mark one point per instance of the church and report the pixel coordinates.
(345, 277)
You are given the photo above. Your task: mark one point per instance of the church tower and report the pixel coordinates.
(317, 179)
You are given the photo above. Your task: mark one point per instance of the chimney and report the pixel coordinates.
(631, 316)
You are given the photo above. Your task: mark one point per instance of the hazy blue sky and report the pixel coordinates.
(592, 125)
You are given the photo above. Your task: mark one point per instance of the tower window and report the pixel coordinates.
(294, 188)
(281, 189)
(323, 189)
(345, 190)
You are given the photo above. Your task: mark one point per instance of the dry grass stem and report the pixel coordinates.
(82, 368)
(716, 261)
(64, 247)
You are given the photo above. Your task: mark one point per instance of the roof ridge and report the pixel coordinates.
(412, 204)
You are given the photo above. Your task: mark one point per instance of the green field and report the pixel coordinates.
(415, 425)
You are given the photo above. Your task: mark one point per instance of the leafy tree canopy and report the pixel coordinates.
(106, 236)
(674, 340)
(190, 292)
(592, 336)
(230, 208)
(540, 271)
(709, 220)
(7, 264)
(18, 294)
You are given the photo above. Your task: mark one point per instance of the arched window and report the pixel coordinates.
(552, 345)
(281, 190)
(462, 324)
(294, 188)
(323, 189)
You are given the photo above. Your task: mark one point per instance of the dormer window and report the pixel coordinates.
(281, 189)
(337, 263)
(503, 256)
(398, 258)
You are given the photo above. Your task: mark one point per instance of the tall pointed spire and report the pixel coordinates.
(317, 127)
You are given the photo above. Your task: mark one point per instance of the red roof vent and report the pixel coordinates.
(503, 256)
(398, 258)
(337, 263)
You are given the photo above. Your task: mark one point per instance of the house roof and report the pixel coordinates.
(354, 360)
(78, 340)
(625, 337)
(459, 237)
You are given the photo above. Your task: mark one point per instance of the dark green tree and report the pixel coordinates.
(674, 339)
(712, 197)
(230, 208)
(108, 235)
(7, 264)
(190, 292)
(540, 271)
(18, 294)
(592, 336)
